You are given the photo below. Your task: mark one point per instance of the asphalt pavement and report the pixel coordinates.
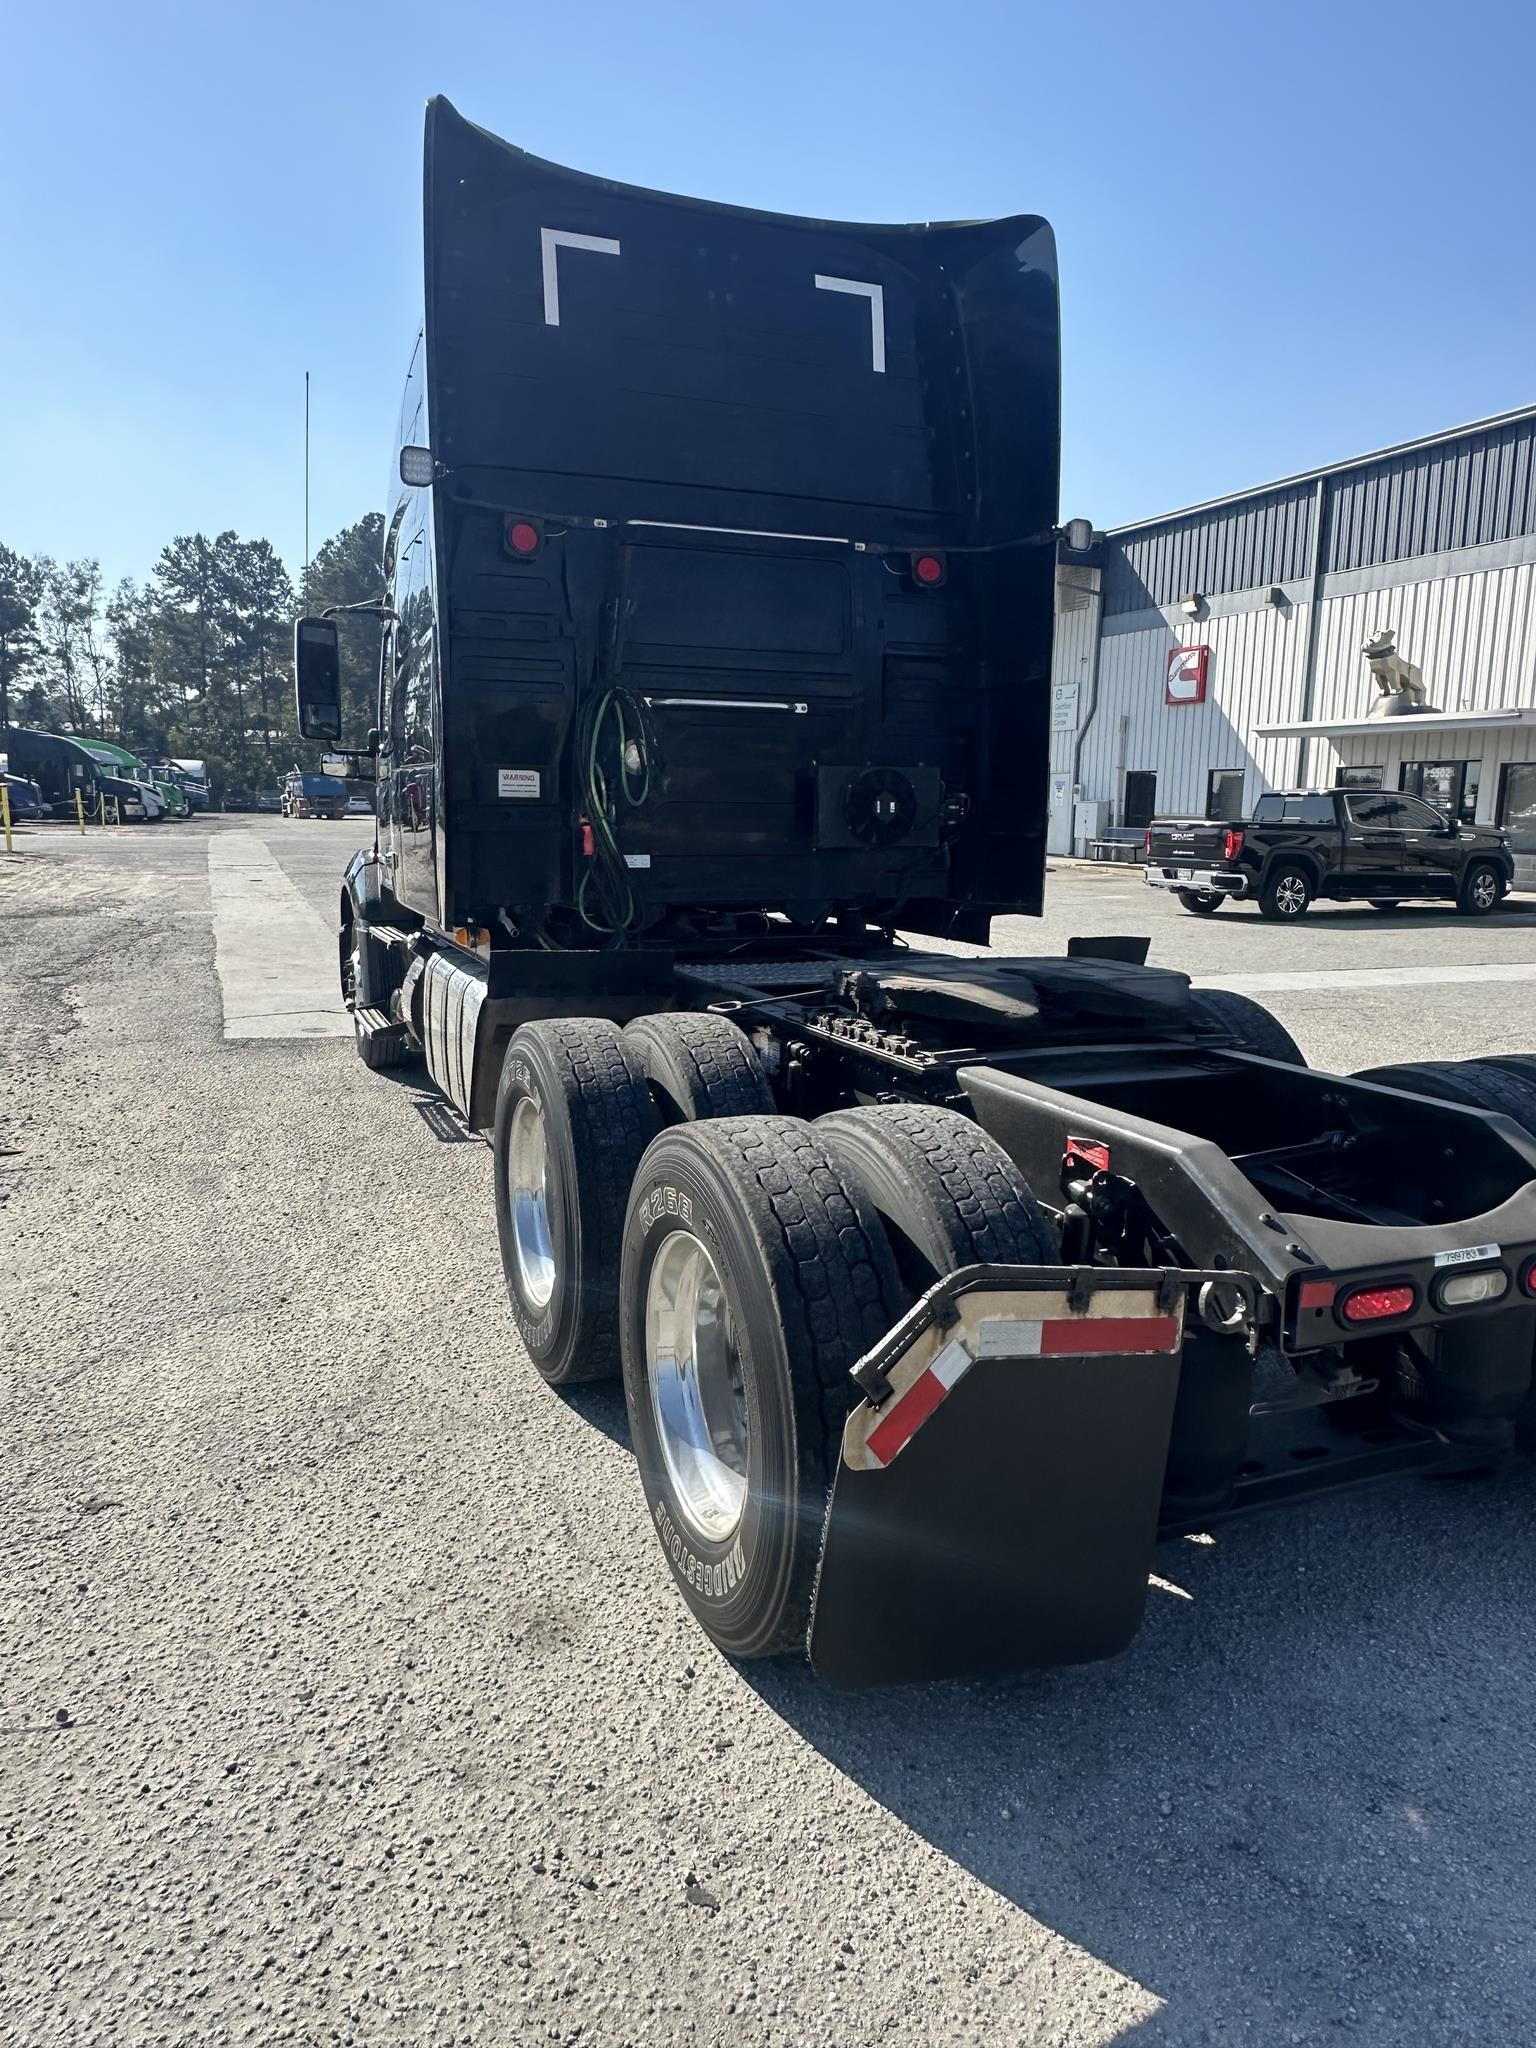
(344, 1697)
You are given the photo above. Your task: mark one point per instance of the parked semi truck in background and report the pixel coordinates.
(716, 638)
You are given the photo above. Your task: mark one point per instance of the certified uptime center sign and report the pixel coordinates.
(1184, 682)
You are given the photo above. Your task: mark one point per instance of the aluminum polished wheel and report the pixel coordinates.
(697, 1395)
(1291, 895)
(527, 1172)
(1485, 889)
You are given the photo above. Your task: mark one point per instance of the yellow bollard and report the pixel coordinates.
(80, 811)
(5, 814)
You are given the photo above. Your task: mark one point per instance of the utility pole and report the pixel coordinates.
(306, 486)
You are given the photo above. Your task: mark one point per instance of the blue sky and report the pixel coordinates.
(1287, 235)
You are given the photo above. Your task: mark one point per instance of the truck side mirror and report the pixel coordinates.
(317, 678)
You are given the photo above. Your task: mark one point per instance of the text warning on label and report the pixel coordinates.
(517, 782)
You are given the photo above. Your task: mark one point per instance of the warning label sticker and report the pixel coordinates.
(517, 781)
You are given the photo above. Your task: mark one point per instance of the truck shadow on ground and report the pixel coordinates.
(1303, 1801)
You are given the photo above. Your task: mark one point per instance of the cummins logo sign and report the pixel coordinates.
(1187, 670)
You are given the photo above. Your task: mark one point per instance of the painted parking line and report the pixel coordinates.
(276, 961)
(1325, 980)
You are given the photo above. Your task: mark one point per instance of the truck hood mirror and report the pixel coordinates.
(317, 679)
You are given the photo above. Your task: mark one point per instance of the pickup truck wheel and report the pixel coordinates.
(573, 1117)
(755, 1275)
(1481, 887)
(1287, 895)
(1385, 902)
(1201, 901)
(1248, 1023)
(699, 1065)
(948, 1195)
(1480, 1084)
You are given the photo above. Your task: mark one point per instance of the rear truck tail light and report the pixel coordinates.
(1464, 1290)
(1528, 1277)
(523, 537)
(1231, 845)
(929, 569)
(1378, 1304)
(1146, 842)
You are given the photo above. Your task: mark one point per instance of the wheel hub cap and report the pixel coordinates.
(697, 1394)
(527, 1168)
(1291, 895)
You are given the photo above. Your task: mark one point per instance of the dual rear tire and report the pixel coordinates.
(734, 1266)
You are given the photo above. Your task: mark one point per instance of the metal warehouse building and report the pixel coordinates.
(1206, 656)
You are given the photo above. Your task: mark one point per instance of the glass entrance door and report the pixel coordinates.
(1451, 786)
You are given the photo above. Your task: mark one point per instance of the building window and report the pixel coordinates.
(1224, 793)
(1517, 806)
(1358, 778)
(1451, 786)
(1140, 797)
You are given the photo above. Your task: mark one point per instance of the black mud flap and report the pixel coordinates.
(997, 1499)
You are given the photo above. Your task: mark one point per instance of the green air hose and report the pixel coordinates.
(607, 877)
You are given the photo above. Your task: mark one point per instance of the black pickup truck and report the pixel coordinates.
(1346, 844)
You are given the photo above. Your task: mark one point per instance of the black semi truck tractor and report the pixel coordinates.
(715, 639)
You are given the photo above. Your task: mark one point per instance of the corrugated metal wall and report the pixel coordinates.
(1473, 636)
(1256, 662)
(1235, 547)
(1458, 494)
(1473, 633)
(1474, 489)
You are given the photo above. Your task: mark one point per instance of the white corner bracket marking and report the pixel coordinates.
(551, 239)
(875, 293)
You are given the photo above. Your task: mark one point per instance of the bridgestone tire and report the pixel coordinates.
(948, 1195)
(1473, 898)
(1203, 902)
(699, 1066)
(598, 1119)
(808, 1285)
(1287, 896)
(1479, 1084)
(1249, 1023)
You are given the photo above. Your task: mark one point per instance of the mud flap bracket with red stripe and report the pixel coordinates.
(996, 1502)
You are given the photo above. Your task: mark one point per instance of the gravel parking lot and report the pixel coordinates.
(346, 1699)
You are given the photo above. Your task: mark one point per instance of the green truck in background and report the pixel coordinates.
(170, 792)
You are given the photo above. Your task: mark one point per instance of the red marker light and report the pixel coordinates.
(1377, 1304)
(522, 537)
(1528, 1277)
(929, 570)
